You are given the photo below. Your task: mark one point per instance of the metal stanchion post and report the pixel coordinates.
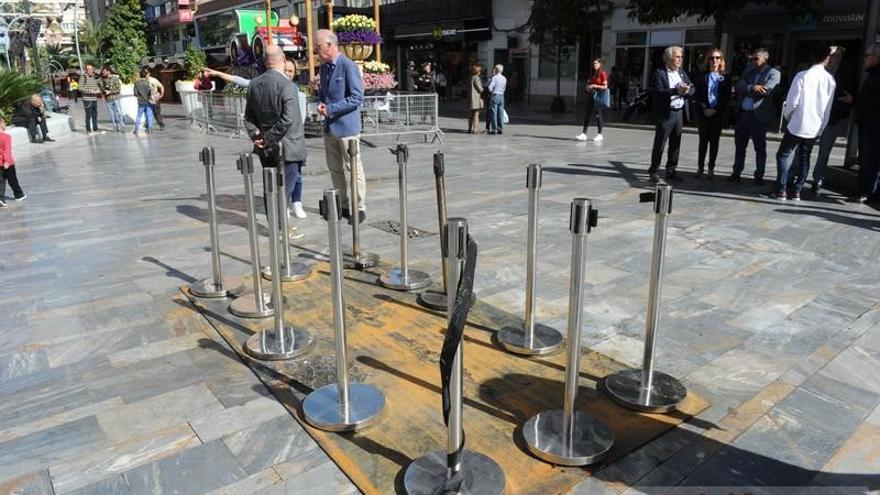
(402, 278)
(280, 341)
(532, 338)
(291, 271)
(645, 389)
(433, 299)
(437, 472)
(341, 406)
(244, 306)
(567, 436)
(355, 258)
(217, 285)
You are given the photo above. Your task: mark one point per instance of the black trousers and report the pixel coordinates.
(31, 124)
(869, 162)
(592, 109)
(157, 114)
(668, 130)
(710, 135)
(8, 175)
(91, 108)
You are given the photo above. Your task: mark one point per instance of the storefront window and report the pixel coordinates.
(632, 62)
(699, 36)
(547, 64)
(218, 29)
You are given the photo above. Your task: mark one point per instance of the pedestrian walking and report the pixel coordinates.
(497, 87)
(90, 87)
(7, 168)
(426, 81)
(807, 109)
(712, 94)
(412, 76)
(143, 92)
(31, 114)
(475, 99)
(157, 92)
(670, 88)
(867, 117)
(111, 86)
(340, 97)
(598, 99)
(73, 86)
(756, 90)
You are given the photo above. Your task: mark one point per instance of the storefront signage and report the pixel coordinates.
(812, 21)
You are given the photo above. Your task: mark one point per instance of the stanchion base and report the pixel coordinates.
(480, 475)
(298, 271)
(266, 345)
(591, 440)
(322, 408)
(246, 307)
(206, 288)
(393, 279)
(365, 260)
(625, 388)
(545, 340)
(432, 299)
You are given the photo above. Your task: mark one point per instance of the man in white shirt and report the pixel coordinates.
(497, 86)
(807, 109)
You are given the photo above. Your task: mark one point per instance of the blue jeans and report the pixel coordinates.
(114, 108)
(293, 181)
(91, 108)
(748, 127)
(826, 143)
(144, 108)
(496, 113)
(793, 146)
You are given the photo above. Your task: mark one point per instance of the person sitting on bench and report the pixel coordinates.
(31, 114)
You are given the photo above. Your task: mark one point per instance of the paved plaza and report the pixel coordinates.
(110, 383)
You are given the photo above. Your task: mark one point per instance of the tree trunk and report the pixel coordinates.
(558, 70)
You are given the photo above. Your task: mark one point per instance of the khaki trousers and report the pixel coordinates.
(339, 162)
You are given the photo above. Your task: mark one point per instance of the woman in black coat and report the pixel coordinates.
(713, 92)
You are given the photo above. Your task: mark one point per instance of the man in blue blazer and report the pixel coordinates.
(757, 112)
(670, 89)
(340, 97)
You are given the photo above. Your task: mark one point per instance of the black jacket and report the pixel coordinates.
(867, 106)
(273, 113)
(28, 112)
(839, 109)
(661, 95)
(701, 92)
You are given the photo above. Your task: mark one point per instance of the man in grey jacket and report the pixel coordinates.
(272, 117)
(757, 111)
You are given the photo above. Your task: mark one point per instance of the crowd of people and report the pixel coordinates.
(92, 86)
(813, 110)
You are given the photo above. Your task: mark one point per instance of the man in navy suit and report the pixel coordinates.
(757, 90)
(340, 97)
(670, 88)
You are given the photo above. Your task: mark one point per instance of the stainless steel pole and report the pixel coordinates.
(531, 339)
(402, 278)
(243, 306)
(214, 286)
(473, 473)
(433, 299)
(281, 341)
(355, 258)
(290, 271)
(342, 406)
(646, 389)
(570, 437)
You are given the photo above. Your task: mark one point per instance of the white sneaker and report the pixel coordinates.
(581, 137)
(298, 210)
(598, 137)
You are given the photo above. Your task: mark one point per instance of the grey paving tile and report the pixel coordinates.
(193, 472)
(22, 363)
(43, 447)
(111, 486)
(830, 405)
(34, 483)
(867, 362)
(269, 442)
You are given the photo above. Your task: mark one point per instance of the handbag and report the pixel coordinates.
(602, 98)
(504, 118)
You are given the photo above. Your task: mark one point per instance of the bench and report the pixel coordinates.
(59, 124)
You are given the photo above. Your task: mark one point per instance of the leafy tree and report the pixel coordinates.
(91, 37)
(126, 39)
(560, 24)
(661, 11)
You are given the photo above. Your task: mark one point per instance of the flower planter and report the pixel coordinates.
(128, 102)
(188, 96)
(356, 51)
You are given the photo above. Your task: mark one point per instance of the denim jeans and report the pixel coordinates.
(748, 127)
(144, 108)
(826, 143)
(91, 108)
(293, 180)
(114, 108)
(496, 112)
(790, 147)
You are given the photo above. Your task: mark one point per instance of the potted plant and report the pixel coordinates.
(378, 78)
(193, 63)
(357, 35)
